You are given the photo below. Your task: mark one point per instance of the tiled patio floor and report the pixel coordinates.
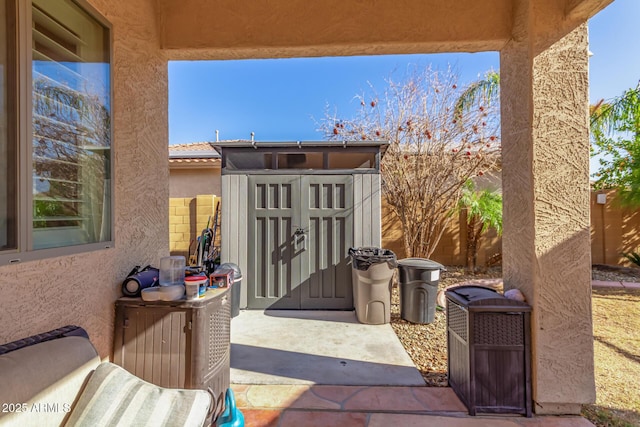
(356, 406)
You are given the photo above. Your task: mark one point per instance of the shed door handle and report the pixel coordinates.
(297, 237)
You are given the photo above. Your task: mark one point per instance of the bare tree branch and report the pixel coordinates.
(432, 150)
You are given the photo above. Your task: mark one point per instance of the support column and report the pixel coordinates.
(546, 239)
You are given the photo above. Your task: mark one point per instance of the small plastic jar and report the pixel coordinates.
(196, 286)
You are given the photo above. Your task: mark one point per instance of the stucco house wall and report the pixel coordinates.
(194, 169)
(81, 289)
(191, 182)
(194, 193)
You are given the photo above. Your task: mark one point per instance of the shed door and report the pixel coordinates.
(300, 229)
(274, 216)
(327, 218)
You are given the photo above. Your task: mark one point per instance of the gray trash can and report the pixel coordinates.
(418, 288)
(235, 288)
(371, 272)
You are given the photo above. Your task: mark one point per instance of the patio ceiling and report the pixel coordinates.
(233, 29)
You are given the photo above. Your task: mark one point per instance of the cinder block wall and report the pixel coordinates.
(188, 216)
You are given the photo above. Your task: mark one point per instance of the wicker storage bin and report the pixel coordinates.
(180, 344)
(488, 341)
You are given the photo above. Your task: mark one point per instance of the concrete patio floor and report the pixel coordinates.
(317, 347)
(323, 368)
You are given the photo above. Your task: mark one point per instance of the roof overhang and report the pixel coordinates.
(195, 154)
(301, 145)
(237, 29)
(194, 163)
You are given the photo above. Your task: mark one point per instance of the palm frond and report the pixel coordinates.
(487, 88)
(606, 116)
(634, 257)
(483, 206)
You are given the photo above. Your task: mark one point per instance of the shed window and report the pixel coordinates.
(351, 160)
(248, 160)
(300, 160)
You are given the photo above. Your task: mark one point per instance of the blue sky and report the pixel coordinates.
(279, 99)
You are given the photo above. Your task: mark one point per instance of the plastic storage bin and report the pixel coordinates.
(489, 351)
(177, 344)
(196, 286)
(372, 271)
(172, 270)
(418, 289)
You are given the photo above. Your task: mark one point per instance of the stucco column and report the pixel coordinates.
(546, 240)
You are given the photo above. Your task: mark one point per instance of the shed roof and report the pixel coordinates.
(299, 144)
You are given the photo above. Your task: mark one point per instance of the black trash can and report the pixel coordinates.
(235, 288)
(489, 350)
(418, 288)
(371, 273)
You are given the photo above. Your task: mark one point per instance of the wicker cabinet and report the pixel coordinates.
(183, 344)
(488, 341)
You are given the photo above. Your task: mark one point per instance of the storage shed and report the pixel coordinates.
(291, 211)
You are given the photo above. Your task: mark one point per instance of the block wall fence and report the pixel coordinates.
(614, 230)
(187, 218)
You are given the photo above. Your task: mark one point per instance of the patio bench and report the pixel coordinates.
(57, 378)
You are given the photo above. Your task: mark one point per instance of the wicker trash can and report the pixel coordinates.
(489, 347)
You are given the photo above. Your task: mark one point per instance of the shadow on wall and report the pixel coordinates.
(614, 229)
(558, 286)
(187, 218)
(451, 249)
(193, 229)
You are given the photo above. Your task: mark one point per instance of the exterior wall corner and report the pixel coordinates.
(546, 238)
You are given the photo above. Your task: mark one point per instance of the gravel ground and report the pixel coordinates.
(615, 273)
(427, 344)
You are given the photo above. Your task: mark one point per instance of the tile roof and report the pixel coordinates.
(200, 153)
(203, 146)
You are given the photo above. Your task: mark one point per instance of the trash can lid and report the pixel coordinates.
(479, 296)
(237, 274)
(422, 263)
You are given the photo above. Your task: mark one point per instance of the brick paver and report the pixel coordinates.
(357, 406)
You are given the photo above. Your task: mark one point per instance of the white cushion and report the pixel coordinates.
(46, 379)
(113, 397)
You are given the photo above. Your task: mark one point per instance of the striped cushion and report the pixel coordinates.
(113, 397)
